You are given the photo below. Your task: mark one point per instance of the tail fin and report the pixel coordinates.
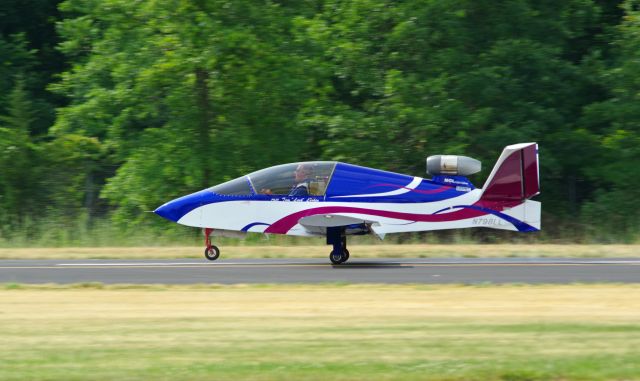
(515, 177)
(513, 181)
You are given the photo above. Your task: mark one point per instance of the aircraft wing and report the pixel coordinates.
(329, 220)
(332, 220)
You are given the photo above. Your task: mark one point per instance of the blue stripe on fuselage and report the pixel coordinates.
(246, 228)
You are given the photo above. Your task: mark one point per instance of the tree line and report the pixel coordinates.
(108, 108)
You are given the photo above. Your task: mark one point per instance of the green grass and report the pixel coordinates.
(199, 351)
(62, 231)
(320, 332)
(102, 239)
(321, 251)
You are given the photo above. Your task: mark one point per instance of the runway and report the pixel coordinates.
(391, 271)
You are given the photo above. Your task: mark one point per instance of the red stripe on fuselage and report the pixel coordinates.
(283, 225)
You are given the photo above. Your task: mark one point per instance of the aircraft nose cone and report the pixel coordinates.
(174, 210)
(169, 211)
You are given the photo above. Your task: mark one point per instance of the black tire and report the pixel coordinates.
(345, 255)
(336, 258)
(212, 253)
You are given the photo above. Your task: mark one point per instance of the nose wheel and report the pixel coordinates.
(211, 252)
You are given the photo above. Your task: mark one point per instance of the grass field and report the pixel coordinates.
(327, 332)
(321, 251)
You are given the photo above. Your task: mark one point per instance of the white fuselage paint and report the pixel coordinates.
(236, 215)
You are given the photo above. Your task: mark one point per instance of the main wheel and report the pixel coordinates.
(212, 253)
(345, 255)
(337, 258)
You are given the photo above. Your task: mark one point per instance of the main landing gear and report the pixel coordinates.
(211, 252)
(336, 236)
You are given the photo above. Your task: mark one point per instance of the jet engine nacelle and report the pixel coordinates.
(452, 165)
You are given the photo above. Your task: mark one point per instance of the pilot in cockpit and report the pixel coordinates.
(302, 181)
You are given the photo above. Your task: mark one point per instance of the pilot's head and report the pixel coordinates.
(302, 172)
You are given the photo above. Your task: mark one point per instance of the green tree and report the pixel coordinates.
(17, 58)
(183, 94)
(409, 79)
(616, 123)
(17, 156)
(27, 46)
(169, 97)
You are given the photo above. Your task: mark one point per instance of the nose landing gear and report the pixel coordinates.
(211, 252)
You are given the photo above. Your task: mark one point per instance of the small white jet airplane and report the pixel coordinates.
(334, 199)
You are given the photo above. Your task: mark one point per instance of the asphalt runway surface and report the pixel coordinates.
(392, 271)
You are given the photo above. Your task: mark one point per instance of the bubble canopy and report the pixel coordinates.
(280, 180)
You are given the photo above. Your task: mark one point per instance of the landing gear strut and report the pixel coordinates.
(336, 236)
(211, 252)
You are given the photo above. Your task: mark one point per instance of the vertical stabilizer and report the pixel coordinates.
(515, 177)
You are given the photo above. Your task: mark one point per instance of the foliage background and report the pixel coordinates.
(108, 108)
